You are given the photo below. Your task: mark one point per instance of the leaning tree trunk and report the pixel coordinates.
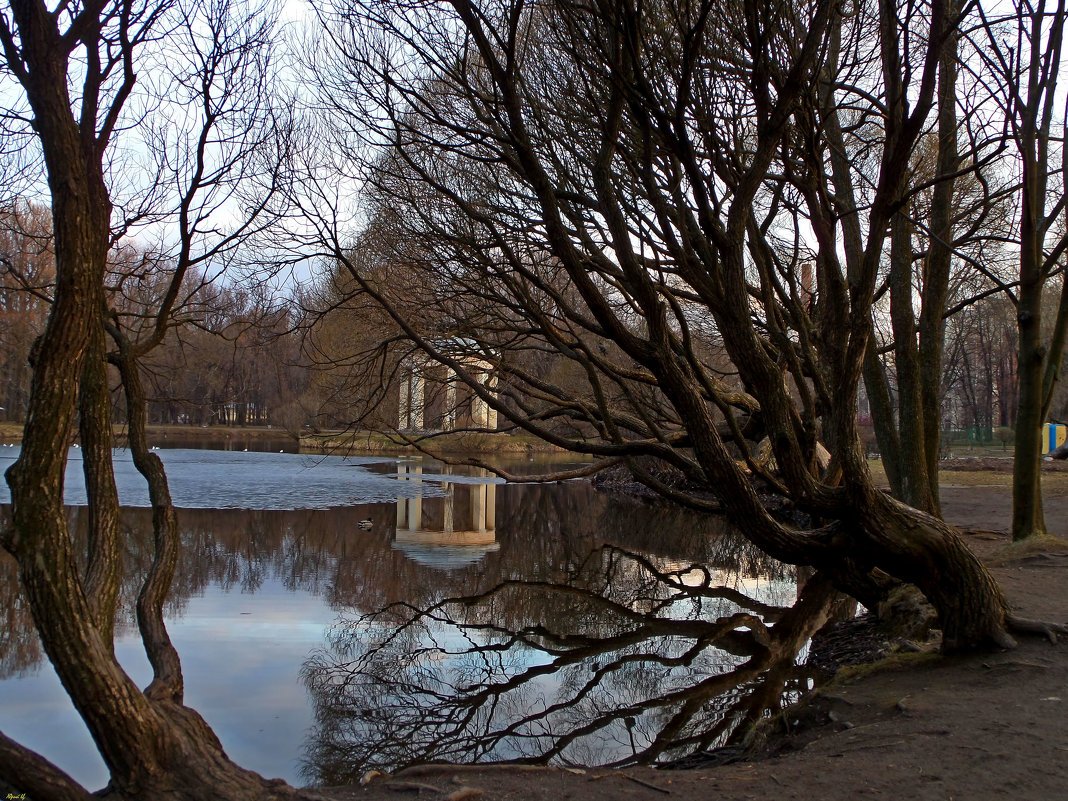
(921, 549)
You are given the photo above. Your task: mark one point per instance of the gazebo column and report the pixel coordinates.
(417, 401)
(404, 403)
(482, 415)
(491, 413)
(479, 408)
(449, 418)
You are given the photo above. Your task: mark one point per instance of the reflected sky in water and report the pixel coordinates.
(281, 551)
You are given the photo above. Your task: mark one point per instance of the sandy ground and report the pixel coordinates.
(985, 726)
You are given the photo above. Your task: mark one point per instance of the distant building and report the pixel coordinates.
(433, 398)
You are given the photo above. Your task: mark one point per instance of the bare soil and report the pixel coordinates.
(918, 726)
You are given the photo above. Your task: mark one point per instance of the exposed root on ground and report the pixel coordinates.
(1023, 625)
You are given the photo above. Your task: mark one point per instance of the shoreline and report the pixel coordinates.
(11, 433)
(361, 443)
(451, 444)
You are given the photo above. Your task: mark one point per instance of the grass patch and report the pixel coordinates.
(12, 432)
(1052, 481)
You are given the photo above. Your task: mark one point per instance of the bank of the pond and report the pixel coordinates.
(158, 435)
(345, 443)
(359, 443)
(10, 433)
(985, 726)
(453, 443)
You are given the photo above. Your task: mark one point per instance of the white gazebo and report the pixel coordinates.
(415, 397)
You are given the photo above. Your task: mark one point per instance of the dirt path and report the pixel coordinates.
(989, 726)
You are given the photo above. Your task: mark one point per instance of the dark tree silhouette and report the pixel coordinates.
(632, 213)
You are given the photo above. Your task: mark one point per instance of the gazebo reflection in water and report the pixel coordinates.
(451, 531)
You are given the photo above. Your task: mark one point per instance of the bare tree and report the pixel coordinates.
(908, 435)
(27, 274)
(152, 744)
(1022, 53)
(640, 187)
(980, 377)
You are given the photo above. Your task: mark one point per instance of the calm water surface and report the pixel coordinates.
(311, 613)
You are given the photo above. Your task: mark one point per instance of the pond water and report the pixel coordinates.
(337, 614)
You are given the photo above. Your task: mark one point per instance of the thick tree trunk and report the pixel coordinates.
(915, 483)
(104, 562)
(1027, 518)
(153, 750)
(1039, 364)
(915, 547)
(38, 539)
(33, 774)
(153, 746)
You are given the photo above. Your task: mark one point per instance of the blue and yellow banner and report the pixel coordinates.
(1053, 434)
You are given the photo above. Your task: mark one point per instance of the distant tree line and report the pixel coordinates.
(233, 356)
(246, 357)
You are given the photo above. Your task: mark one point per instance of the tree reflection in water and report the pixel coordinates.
(551, 660)
(627, 661)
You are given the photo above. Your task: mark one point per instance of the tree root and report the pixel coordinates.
(1002, 639)
(1045, 628)
(30, 772)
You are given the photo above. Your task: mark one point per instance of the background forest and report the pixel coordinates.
(244, 353)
